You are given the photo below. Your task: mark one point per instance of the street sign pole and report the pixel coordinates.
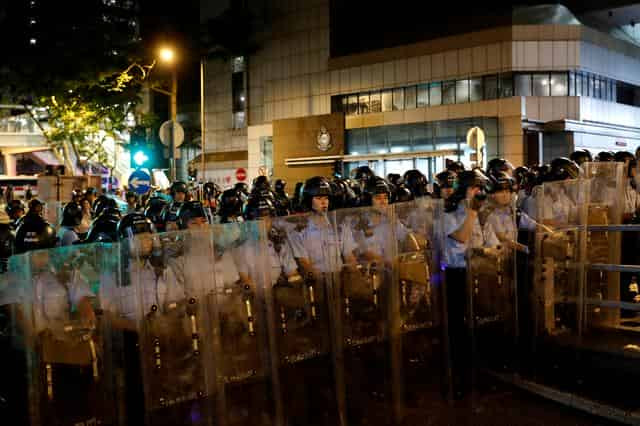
(174, 115)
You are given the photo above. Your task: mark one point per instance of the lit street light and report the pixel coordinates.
(168, 56)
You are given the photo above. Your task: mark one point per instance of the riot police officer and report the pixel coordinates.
(283, 205)
(71, 219)
(316, 246)
(498, 165)
(192, 216)
(581, 156)
(242, 189)
(230, 206)
(210, 199)
(445, 184)
(104, 227)
(605, 156)
(416, 182)
(91, 194)
(170, 213)
(462, 231)
(153, 212)
(15, 210)
(101, 204)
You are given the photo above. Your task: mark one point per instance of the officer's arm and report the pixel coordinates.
(463, 233)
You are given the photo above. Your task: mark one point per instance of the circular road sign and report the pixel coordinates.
(166, 130)
(241, 174)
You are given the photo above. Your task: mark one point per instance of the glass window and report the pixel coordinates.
(506, 85)
(614, 91)
(363, 103)
(578, 84)
(237, 91)
(541, 86)
(523, 84)
(387, 100)
(596, 88)
(475, 89)
(435, 94)
(590, 85)
(238, 64)
(448, 92)
(559, 84)
(421, 137)
(605, 89)
(410, 97)
(345, 104)
(491, 87)
(356, 141)
(585, 85)
(423, 95)
(462, 91)
(398, 99)
(374, 102)
(398, 137)
(238, 120)
(572, 84)
(377, 140)
(266, 153)
(336, 104)
(352, 105)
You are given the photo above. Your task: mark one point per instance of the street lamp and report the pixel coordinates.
(168, 56)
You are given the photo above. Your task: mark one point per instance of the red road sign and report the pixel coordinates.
(241, 174)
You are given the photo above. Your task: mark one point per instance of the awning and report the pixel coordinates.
(45, 157)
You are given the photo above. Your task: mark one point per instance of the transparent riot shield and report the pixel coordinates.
(299, 295)
(606, 207)
(67, 337)
(556, 290)
(492, 303)
(243, 376)
(419, 289)
(366, 312)
(164, 296)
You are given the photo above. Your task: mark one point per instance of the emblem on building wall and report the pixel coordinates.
(323, 141)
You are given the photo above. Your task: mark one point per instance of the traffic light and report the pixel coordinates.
(145, 154)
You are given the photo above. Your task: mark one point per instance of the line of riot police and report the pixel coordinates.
(337, 273)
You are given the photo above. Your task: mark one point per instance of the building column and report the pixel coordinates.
(9, 164)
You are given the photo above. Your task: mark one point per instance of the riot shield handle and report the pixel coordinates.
(375, 282)
(195, 338)
(310, 282)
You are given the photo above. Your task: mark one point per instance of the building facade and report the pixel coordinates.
(538, 90)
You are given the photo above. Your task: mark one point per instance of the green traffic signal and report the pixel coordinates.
(140, 158)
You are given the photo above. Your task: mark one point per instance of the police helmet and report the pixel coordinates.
(520, 174)
(230, 203)
(154, 210)
(446, 179)
(14, 207)
(317, 186)
(297, 197)
(580, 156)
(104, 227)
(170, 212)
(416, 182)
(261, 184)
(241, 188)
(36, 207)
(71, 214)
(604, 156)
(90, 191)
(77, 195)
(562, 168)
(211, 190)
(34, 233)
(133, 224)
(394, 178)
(454, 166)
(623, 156)
(258, 206)
(497, 165)
(362, 174)
(190, 210)
(102, 203)
(374, 187)
(628, 158)
(499, 182)
(178, 186)
(342, 195)
(280, 186)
